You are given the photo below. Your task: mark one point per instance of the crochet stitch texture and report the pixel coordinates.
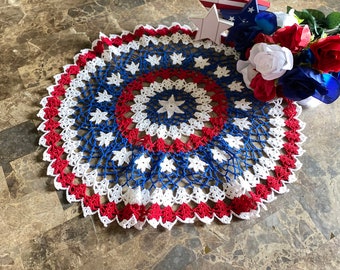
(155, 127)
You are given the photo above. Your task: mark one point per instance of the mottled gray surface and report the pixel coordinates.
(39, 230)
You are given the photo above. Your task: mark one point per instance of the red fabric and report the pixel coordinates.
(184, 211)
(109, 210)
(79, 191)
(58, 90)
(203, 210)
(92, 201)
(66, 180)
(52, 137)
(51, 124)
(55, 151)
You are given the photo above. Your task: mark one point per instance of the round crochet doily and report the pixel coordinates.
(154, 126)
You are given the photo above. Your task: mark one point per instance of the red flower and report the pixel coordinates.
(294, 37)
(263, 90)
(327, 54)
(264, 38)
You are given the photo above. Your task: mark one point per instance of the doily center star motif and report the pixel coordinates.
(170, 106)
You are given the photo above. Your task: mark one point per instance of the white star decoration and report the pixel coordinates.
(103, 96)
(201, 62)
(132, 68)
(221, 72)
(167, 165)
(170, 106)
(177, 58)
(236, 86)
(242, 104)
(122, 156)
(211, 26)
(98, 116)
(196, 164)
(105, 139)
(219, 154)
(154, 60)
(251, 10)
(242, 123)
(234, 141)
(143, 163)
(114, 79)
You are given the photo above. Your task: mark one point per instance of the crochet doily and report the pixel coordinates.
(156, 127)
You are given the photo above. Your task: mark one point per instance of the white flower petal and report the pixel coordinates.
(247, 70)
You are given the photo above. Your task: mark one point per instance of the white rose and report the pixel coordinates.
(284, 19)
(271, 60)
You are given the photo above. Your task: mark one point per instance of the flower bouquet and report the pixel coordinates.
(294, 55)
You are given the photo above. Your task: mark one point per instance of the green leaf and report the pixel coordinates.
(307, 18)
(333, 20)
(318, 15)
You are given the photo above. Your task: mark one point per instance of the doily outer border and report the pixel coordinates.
(135, 215)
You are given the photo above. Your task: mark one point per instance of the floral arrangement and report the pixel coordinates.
(294, 55)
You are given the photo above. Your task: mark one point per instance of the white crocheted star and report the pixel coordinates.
(103, 96)
(98, 116)
(143, 163)
(114, 79)
(154, 60)
(201, 62)
(132, 68)
(234, 141)
(122, 156)
(242, 104)
(167, 165)
(177, 58)
(105, 138)
(221, 72)
(236, 86)
(170, 106)
(196, 164)
(219, 154)
(242, 123)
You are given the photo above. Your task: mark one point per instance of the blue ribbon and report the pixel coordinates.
(302, 82)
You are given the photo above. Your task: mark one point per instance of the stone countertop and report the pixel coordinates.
(40, 230)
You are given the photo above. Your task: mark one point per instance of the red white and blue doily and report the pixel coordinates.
(156, 127)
